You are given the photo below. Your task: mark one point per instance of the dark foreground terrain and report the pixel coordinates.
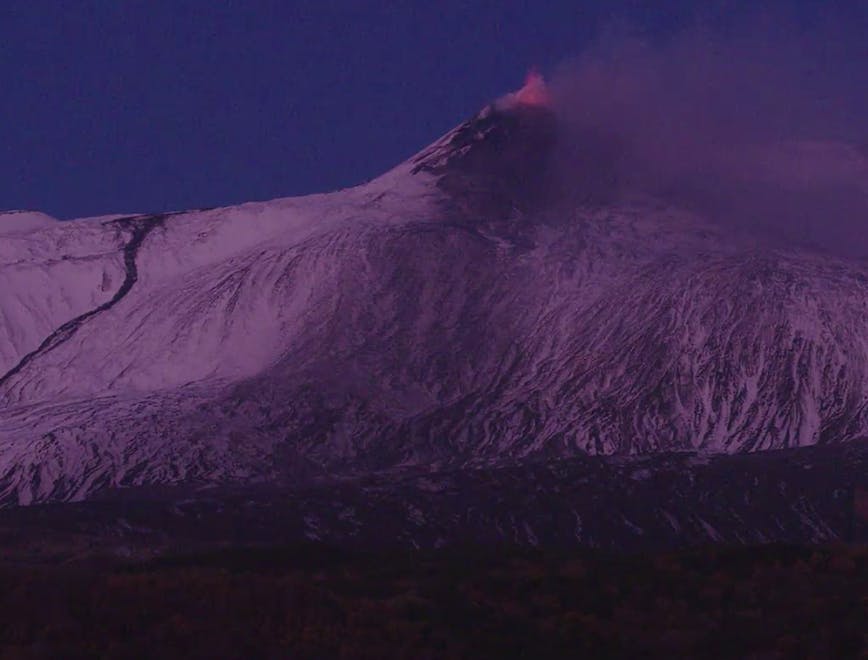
(665, 556)
(772, 601)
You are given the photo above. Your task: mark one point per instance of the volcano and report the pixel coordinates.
(462, 312)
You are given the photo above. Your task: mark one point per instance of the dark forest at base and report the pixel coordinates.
(316, 601)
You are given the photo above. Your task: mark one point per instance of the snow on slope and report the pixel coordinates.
(49, 277)
(206, 281)
(447, 313)
(13, 223)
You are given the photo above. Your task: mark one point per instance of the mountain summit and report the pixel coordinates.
(458, 311)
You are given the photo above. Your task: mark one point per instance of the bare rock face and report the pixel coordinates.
(461, 310)
(495, 165)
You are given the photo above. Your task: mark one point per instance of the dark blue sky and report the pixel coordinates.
(128, 106)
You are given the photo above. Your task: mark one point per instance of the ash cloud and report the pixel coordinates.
(764, 128)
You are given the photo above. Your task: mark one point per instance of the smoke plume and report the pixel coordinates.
(764, 128)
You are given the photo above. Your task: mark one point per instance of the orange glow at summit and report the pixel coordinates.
(535, 92)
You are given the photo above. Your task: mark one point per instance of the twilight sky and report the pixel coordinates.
(134, 106)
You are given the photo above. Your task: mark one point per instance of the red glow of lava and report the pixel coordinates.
(535, 91)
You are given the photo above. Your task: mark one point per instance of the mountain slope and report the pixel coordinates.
(460, 310)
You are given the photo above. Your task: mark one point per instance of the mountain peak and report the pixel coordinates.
(497, 161)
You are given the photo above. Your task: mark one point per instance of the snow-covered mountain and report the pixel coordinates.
(462, 309)
(14, 223)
